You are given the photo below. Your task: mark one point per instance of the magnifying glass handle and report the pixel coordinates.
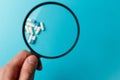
(39, 67)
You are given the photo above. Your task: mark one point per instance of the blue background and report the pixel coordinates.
(97, 54)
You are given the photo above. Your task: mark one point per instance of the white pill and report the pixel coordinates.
(38, 30)
(27, 29)
(30, 30)
(30, 38)
(35, 28)
(30, 24)
(42, 26)
(29, 20)
(34, 38)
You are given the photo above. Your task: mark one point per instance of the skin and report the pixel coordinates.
(21, 67)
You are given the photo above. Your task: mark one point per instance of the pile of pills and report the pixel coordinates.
(33, 28)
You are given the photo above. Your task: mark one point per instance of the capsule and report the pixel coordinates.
(34, 38)
(29, 20)
(27, 29)
(37, 30)
(42, 26)
(31, 30)
(30, 24)
(30, 39)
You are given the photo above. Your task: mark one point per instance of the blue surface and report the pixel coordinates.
(97, 54)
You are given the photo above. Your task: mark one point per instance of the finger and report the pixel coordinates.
(18, 60)
(39, 67)
(12, 69)
(28, 68)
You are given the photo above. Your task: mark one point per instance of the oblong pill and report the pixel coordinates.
(35, 28)
(30, 30)
(29, 20)
(27, 29)
(34, 38)
(30, 38)
(42, 26)
(38, 30)
(30, 24)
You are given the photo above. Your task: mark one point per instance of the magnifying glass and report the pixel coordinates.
(51, 30)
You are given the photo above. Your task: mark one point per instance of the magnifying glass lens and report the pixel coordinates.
(50, 30)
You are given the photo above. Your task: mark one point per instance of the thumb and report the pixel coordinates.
(28, 68)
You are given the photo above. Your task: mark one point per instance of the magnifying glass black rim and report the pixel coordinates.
(78, 29)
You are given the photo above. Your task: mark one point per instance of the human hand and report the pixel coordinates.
(21, 67)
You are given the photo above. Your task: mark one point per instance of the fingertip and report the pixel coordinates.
(32, 59)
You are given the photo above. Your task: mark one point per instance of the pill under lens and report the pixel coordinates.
(33, 29)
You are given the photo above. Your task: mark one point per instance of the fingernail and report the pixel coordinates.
(33, 60)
